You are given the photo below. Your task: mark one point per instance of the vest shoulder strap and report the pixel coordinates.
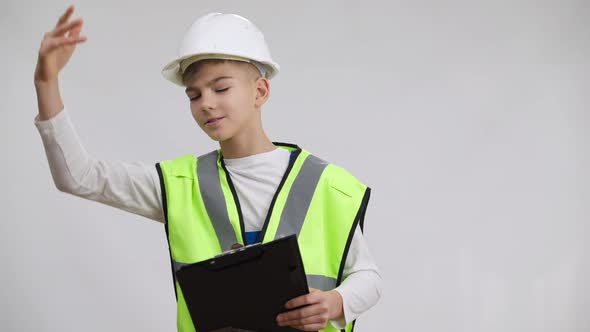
(343, 181)
(183, 166)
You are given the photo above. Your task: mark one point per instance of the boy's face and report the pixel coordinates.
(225, 99)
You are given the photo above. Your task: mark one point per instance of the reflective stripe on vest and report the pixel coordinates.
(300, 196)
(319, 202)
(212, 195)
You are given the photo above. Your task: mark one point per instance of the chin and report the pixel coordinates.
(220, 137)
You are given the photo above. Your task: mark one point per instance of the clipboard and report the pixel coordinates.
(245, 288)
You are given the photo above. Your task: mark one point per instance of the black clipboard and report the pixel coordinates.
(245, 288)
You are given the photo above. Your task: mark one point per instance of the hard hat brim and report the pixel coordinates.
(173, 72)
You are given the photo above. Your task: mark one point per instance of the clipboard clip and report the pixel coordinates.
(236, 256)
(236, 247)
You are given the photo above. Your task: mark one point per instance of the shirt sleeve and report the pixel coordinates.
(130, 186)
(361, 287)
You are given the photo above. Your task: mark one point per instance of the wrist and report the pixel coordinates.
(337, 312)
(48, 99)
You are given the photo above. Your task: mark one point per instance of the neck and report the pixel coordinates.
(246, 145)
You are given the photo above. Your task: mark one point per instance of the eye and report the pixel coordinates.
(199, 96)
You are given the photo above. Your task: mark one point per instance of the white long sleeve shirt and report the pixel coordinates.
(135, 187)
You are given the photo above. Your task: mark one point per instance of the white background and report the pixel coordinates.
(469, 119)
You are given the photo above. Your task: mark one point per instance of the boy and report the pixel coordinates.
(250, 190)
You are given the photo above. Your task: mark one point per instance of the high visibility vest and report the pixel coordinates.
(319, 202)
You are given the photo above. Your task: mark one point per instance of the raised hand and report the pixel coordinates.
(57, 47)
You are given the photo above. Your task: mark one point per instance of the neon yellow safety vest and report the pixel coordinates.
(319, 202)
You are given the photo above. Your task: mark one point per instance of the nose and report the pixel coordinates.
(207, 101)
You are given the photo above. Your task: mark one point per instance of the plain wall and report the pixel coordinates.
(469, 120)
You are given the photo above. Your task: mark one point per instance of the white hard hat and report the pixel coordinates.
(221, 36)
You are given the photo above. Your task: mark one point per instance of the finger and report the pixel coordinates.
(303, 313)
(314, 290)
(64, 41)
(303, 300)
(60, 30)
(65, 16)
(317, 319)
(75, 31)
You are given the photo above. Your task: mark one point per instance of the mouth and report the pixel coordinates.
(214, 121)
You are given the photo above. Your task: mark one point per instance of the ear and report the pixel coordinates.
(262, 91)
